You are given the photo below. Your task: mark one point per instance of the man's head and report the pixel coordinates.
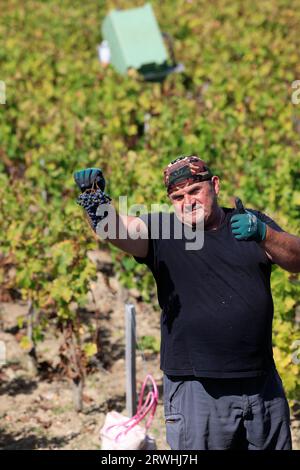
(192, 189)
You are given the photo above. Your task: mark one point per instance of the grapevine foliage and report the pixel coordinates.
(232, 106)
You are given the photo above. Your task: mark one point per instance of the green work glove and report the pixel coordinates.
(248, 227)
(92, 184)
(86, 178)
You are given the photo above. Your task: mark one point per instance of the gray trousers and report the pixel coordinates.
(218, 414)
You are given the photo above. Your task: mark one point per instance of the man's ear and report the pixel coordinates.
(216, 184)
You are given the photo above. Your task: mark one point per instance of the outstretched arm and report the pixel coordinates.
(128, 233)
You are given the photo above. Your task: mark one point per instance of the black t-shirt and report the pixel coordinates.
(217, 306)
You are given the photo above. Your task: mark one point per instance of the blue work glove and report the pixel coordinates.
(85, 179)
(248, 227)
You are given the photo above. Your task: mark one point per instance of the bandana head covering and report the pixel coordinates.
(185, 169)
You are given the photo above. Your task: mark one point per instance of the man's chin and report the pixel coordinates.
(192, 219)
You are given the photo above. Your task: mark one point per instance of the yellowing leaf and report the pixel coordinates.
(289, 303)
(90, 349)
(26, 343)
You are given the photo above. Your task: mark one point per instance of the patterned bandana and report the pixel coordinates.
(185, 169)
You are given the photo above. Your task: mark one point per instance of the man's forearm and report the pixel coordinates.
(284, 249)
(128, 233)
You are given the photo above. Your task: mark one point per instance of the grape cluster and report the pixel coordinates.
(90, 200)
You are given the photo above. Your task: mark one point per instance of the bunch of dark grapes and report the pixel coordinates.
(90, 200)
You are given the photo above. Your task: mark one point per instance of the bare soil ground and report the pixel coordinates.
(36, 412)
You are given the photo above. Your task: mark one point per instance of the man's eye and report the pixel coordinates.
(196, 190)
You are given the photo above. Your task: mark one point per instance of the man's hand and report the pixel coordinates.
(92, 183)
(86, 179)
(248, 227)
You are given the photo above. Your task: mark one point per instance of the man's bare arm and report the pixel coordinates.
(283, 249)
(123, 234)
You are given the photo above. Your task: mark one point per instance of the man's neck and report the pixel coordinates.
(215, 220)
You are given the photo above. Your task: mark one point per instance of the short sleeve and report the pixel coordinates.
(265, 218)
(149, 259)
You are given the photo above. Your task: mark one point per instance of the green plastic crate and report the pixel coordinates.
(134, 39)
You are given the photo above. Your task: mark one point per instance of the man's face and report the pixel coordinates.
(193, 202)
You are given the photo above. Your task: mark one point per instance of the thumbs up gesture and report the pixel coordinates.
(245, 225)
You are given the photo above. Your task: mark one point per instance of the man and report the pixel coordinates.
(221, 387)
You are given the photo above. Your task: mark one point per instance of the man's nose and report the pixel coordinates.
(189, 199)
